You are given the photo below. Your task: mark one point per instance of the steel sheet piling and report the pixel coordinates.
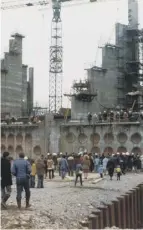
(112, 215)
(125, 212)
(141, 203)
(117, 213)
(97, 219)
(138, 206)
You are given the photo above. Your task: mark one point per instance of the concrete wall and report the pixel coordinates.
(102, 138)
(54, 136)
(28, 139)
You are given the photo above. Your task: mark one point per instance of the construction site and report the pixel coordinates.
(102, 132)
(114, 88)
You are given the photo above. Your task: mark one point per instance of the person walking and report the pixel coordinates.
(100, 170)
(6, 179)
(96, 163)
(118, 171)
(110, 168)
(40, 169)
(33, 174)
(71, 165)
(78, 173)
(21, 169)
(105, 161)
(63, 164)
(85, 166)
(50, 167)
(45, 162)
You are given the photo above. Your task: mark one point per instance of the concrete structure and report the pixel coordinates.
(105, 87)
(30, 91)
(105, 137)
(55, 136)
(29, 139)
(14, 80)
(121, 71)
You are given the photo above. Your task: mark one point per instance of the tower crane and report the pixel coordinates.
(56, 49)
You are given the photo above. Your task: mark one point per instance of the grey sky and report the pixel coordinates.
(84, 28)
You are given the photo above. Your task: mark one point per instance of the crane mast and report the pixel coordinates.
(56, 60)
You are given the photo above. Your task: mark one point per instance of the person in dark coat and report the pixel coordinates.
(6, 179)
(110, 167)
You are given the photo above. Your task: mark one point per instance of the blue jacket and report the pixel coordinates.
(100, 169)
(63, 164)
(21, 168)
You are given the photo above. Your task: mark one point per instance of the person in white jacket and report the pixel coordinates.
(105, 161)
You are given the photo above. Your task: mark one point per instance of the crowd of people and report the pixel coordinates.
(114, 116)
(25, 170)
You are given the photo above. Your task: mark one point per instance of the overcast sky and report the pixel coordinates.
(85, 27)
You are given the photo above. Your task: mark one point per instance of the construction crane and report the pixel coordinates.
(56, 49)
(56, 60)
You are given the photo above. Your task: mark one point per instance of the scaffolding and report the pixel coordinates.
(130, 70)
(82, 91)
(134, 68)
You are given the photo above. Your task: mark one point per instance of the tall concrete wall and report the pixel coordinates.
(102, 138)
(55, 136)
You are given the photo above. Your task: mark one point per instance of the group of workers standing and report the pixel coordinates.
(25, 170)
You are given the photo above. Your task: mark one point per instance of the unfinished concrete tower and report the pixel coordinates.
(134, 67)
(11, 78)
(133, 14)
